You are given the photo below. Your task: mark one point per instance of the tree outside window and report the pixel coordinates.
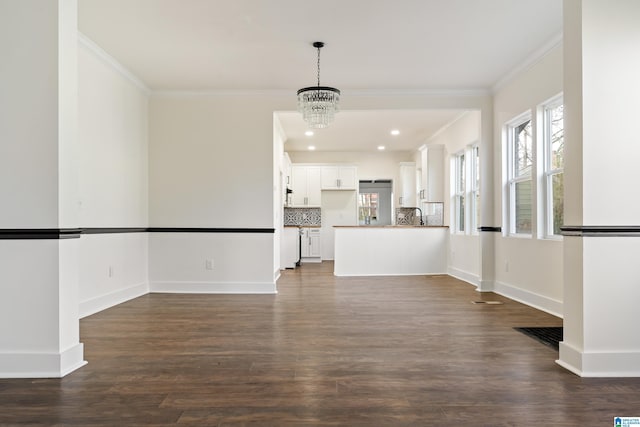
(520, 183)
(554, 166)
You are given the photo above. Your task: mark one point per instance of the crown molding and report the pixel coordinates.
(90, 45)
(531, 60)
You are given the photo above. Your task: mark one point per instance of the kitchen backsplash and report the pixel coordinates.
(302, 216)
(405, 216)
(432, 215)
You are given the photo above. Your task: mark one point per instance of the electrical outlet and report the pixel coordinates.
(208, 264)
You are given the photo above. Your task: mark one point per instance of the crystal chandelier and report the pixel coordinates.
(318, 104)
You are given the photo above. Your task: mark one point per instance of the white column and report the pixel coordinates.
(489, 224)
(39, 326)
(602, 212)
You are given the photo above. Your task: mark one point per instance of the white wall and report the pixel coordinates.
(113, 152)
(464, 249)
(38, 188)
(526, 269)
(213, 164)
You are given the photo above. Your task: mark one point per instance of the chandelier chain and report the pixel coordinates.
(318, 66)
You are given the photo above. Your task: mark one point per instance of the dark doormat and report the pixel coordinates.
(550, 336)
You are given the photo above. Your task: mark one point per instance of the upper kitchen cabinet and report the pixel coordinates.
(286, 169)
(407, 185)
(339, 178)
(306, 181)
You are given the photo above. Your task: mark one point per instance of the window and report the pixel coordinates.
(553, 147)
(465, 178)
(474, 196)
(368, 208)
(520, 165)
(459, 193)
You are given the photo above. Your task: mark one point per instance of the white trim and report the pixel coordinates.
(531, 299)
(42, 365)
(531, 60)
(90, 45)
(445, 127)
(212, 287)
(94, 305)
(223, 92)
(389, 274)
(598, 364)
(463, 93)
(465, 276)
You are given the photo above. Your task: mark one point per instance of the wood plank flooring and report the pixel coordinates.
(381, 351)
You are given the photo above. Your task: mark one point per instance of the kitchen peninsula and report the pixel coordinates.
(390, 250)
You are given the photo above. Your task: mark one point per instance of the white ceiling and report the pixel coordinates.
(380, 45)
(366, 130)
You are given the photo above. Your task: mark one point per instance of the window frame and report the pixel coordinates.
(514, 178)
(459, 192)
(548, 172)
(474, 188)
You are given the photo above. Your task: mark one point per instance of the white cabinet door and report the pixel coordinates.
(347, 177)
(330, 177)
(407, 184)
(289, 249)
(314, 242)
(310, 245)
(306, 185)
(339, 177)
(299, 185)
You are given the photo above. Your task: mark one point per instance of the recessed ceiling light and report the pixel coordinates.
(309, 133)
(395, 132)
(311, 147)
(380, 147)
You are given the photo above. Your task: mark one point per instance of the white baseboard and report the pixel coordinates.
(103, 302)
(465, 276)
(599, 364)
(42, 365)
(534, 300)
(212, 288)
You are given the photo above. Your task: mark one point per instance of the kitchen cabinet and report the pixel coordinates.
(339, 177)
(286, 178)
(423, 181)
(306, 185)
(310, 248)
(407, 188)
(289, 247)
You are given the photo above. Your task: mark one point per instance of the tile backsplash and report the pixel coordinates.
(432, 215)
(302, 216)
(405, 216)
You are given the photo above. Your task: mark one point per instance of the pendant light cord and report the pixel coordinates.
(319, 66)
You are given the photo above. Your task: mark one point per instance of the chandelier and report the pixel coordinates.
(318, 104)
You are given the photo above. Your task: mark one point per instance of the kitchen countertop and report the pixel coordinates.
(391, 226)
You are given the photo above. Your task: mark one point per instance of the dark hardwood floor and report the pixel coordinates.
(381, 351)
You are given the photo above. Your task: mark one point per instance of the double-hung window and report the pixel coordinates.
(553, 148)
(474, 188)
(520, 184)
(459, 193)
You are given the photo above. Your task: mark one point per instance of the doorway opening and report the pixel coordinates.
(374, 202)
